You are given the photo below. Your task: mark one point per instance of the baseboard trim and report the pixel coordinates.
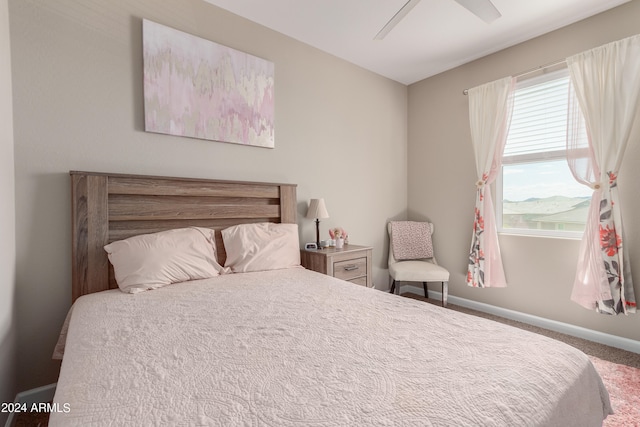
(35, 395)
(553, 325)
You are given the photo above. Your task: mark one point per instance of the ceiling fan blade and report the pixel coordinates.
(483, 9)
(400, 14)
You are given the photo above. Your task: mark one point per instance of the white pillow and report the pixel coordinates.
(151, 261)
(260, 247)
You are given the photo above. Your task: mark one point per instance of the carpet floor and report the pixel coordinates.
(619, 369)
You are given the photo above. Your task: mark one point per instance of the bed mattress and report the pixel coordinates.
(297, 348)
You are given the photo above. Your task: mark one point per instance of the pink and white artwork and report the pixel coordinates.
(197, 88)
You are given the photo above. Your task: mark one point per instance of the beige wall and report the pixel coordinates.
(7, 220)
(442, 179)
(77, 69)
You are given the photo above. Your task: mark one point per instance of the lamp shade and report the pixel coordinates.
(317, 209)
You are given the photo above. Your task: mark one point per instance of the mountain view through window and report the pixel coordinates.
(537, 194)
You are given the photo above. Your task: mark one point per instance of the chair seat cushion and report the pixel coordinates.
(418, 271)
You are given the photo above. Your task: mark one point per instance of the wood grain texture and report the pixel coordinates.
(139, 185)
(288, 203)
(192, 208)
(109, 207)
(90, 232)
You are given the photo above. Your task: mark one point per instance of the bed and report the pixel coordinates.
(287, 346)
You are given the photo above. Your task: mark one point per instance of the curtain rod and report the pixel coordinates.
(529, 71)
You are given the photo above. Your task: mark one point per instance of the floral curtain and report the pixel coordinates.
(606, 92)
(490, 108)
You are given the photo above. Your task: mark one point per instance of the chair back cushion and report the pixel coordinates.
(411, 240)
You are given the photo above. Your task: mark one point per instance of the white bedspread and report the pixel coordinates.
(296, 348)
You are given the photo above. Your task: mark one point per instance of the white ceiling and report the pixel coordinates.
(435, 36)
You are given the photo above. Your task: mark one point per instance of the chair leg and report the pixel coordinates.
(426, 292)
(393, 287)
(445, 293)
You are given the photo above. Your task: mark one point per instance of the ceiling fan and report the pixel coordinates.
(483, 9)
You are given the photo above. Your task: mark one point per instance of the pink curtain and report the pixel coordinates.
(605, 96)
(490, 108)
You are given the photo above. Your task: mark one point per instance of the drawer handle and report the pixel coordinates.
(350, 267)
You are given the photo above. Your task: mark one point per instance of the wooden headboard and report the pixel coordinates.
(108, 207)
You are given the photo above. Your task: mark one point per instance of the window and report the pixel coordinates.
(536, 192)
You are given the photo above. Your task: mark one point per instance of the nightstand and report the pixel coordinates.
(351, 263)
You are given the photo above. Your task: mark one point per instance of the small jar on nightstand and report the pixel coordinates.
(351, 263)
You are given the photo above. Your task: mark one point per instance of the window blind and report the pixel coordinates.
(539, 120)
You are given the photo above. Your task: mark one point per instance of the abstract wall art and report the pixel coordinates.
(200, 89)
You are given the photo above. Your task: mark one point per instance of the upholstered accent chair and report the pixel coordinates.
(410, 268)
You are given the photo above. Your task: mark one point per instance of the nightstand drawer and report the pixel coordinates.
(350, 269)
(351, 263)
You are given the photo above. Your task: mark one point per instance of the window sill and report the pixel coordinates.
(568, 235)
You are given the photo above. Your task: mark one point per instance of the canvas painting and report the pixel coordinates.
(200, 89)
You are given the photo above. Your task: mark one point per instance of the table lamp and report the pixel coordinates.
(317, 210)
